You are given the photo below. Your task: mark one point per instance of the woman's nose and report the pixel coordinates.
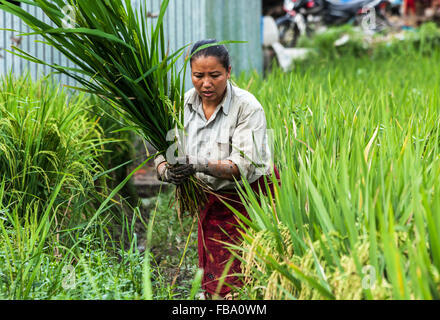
(206, 83)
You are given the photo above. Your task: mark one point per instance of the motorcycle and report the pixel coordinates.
(303, 17)
(337, 13)
(293, 23)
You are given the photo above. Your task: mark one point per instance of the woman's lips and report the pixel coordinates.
(208, 93)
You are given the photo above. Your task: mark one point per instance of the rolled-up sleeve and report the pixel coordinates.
(249, 143)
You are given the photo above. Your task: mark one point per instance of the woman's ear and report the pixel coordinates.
(229, 72)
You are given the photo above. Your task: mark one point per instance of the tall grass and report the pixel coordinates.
(35, 265)
(356, 216)
(45, 135)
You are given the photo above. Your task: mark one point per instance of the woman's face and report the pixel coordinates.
(209, 78)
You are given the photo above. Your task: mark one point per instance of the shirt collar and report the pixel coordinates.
(195, 100)
(227, 99)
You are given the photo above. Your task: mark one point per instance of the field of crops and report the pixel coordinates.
(356, 141)
(357, 214)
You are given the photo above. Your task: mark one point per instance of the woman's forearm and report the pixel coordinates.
(224, 169)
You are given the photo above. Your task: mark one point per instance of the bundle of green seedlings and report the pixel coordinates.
(121, 57)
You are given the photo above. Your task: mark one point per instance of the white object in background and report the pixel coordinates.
(342, 40)
(286, 56)
(301, 23)
(270, 31)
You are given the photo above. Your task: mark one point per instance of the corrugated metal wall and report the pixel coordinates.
(10, 62)
(186, 21)
(237, 20)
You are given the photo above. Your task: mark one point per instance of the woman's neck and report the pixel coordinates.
(209, 107)
(209, 104)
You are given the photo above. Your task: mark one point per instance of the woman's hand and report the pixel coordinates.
(176, 174)
(189, 165)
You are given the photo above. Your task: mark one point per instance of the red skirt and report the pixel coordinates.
(219, 224)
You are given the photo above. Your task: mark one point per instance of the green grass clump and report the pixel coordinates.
(324, 43)
(424, 39)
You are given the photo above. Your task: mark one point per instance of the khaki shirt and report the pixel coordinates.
(236, 131)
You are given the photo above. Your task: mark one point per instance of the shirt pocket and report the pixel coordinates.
(221, 148)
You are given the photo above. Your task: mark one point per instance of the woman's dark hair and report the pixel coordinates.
(218, 51)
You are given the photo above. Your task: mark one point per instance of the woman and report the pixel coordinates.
(225, 139)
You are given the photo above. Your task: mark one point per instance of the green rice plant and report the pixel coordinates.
(121, 57)
(51, 184)
(424, 39)
(355, 216)
(41, 142)
(325, 46)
